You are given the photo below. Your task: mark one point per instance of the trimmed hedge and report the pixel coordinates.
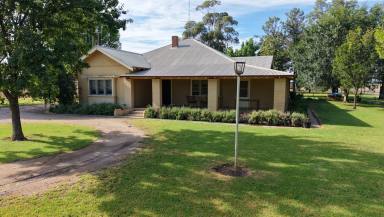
(270, 117)
(105, 109)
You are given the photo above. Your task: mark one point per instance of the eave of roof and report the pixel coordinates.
(127, 59)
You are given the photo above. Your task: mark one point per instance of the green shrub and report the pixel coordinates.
(164, 113)
(105, 109)
(205, 115)
(298, 119)
(195, 115)
(229, 116)
(150, 112)
(254, 117)
(284, 119)
(182, 113)
(270, 117)
(217, 116)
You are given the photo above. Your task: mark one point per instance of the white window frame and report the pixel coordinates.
(105, 87)
(200, 80)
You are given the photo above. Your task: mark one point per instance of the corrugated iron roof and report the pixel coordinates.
(260, 61)
(190, 59)
(195, 59)
(126, 58)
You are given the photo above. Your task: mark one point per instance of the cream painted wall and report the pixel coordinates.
(281, 94)
(263, 90)
(181, 88)
(124, 92)
(156, 93)
(142, 93)
(260, 89)
(213, 94)
(101, 66)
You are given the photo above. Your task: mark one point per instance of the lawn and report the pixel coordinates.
(43, 139)
(337, 170)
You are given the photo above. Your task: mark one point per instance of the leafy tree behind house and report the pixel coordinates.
(216, 28)
(39, 40)
(273, 43)
(351, 66)
(248, 48)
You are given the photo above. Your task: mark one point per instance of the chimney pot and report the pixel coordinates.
(175, 41)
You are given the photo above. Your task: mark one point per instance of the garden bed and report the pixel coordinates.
(268, 118)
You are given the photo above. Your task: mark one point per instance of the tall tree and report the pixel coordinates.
(328, 25)
(216, 28)
(248, 48)
(353, 64)
(273, 43)
(379, 36)
(38, 38)
(294, 28)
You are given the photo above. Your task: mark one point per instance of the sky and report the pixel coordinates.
(156, 21)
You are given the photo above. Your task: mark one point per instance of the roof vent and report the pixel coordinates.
(175, 41)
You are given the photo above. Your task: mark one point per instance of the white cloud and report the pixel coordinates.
(156, 21)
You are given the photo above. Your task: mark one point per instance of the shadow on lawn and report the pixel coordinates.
(333, 115)
(52, 145)
(302, 176)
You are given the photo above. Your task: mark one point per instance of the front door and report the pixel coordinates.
(167, 92)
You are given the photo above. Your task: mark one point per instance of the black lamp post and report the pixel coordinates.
(239, 70)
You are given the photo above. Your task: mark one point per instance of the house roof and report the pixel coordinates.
(194, 59)
(125, 58)
(190, 59)
(260, 61)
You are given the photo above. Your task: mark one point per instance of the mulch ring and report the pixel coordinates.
(229, 170)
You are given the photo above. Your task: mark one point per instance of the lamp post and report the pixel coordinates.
(239, 70)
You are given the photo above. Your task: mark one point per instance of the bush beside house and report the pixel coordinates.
(105, 109)
(269, 117)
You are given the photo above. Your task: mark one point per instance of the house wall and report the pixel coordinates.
(260, 89)
(124, 92)
(180, 90)
(142, 93)
(281, 94)
(228, 94)
(101, 66)
(263, 90)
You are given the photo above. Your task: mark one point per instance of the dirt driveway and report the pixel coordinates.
(27, 177)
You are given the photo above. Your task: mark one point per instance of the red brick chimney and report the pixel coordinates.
(175, 41)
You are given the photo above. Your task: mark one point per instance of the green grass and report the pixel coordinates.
(337, 170)
(43, 139)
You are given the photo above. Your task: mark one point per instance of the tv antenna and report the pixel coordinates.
(189, 10)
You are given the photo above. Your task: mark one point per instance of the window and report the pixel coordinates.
(108, 87)
(100, 87)
(92, 87)
(244, 89)
(199, 87)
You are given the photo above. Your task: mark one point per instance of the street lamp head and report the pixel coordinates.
(239, 68)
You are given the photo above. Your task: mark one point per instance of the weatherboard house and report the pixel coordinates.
(184, 73)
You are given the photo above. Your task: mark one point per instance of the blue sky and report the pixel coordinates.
(155, 21)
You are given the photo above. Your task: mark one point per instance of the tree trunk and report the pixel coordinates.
(381, 96)
(355, 101)
(17, 130)
(346, 95)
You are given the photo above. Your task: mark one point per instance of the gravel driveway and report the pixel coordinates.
(27, 177)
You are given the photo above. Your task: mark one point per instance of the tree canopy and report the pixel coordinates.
(351, 66)
(216, 29)
(40, 40)
(248, 48)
